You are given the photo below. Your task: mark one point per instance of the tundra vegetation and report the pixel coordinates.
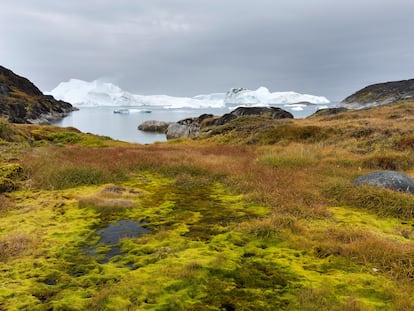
(257, 214)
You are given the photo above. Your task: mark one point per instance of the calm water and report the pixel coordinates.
(103, 120)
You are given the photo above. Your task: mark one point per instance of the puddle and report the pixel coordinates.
(113, 233)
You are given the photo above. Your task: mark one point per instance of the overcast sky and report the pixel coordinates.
(188, 47)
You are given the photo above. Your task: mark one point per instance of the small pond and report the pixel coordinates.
(111, 235)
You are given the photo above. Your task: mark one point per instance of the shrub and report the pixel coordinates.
(65, 137)
(9, 133)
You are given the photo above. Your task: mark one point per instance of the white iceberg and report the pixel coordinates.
(98, 93)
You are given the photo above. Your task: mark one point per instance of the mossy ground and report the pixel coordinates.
(270, 223)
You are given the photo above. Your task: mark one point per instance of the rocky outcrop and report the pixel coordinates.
(191, 127)
(380, 94)
(275, 113)
(388, 179)
(187, 128)
(177, 130)
(154, 126)
(22, 102)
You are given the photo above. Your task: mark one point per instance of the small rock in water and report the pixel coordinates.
(388, 179)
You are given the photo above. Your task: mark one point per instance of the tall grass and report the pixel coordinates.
(9, 132)
(384, 202)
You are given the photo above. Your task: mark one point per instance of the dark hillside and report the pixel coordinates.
(22, 102)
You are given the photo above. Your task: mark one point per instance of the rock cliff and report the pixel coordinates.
(22, 102)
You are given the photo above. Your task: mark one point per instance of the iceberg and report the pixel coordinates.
(262, 96)
(98, 93)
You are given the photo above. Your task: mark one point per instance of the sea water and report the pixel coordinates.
(124, 126)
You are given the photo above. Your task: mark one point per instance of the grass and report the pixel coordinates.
(382, 201)
(259, 214)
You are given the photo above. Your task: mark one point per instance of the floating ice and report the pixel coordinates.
(99, 93)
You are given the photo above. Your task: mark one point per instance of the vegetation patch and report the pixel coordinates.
(388, 161)
(382, 201)
(244, 218)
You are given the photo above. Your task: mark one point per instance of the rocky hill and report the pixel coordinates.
(380, 94)
(22, 102)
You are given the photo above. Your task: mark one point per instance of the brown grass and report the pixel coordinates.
(368, 249)
(17, 245)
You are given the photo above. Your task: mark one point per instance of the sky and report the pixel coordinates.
(189, 47)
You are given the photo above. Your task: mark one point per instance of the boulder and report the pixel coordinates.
(177, 130)
(388, 179)
(154, 126)
(275, 113)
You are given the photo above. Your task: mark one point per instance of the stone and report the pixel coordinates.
(154, 126)
(275, 113)
(177, 130)
(388, 179)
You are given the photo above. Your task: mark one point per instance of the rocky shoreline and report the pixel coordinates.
(192, 127)
(22, 102)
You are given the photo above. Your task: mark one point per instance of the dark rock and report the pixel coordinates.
(154, 126)
(279, 113)
(388, 179)
(22, 102)
(329, 111)
(276, 113)
(204, 116)
(273, 112)
(222, 120)
(380, 94)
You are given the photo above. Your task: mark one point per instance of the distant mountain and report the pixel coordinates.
(22, 102)
(380, 94)
(98, 93)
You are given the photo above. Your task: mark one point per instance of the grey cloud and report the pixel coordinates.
(186, 47)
